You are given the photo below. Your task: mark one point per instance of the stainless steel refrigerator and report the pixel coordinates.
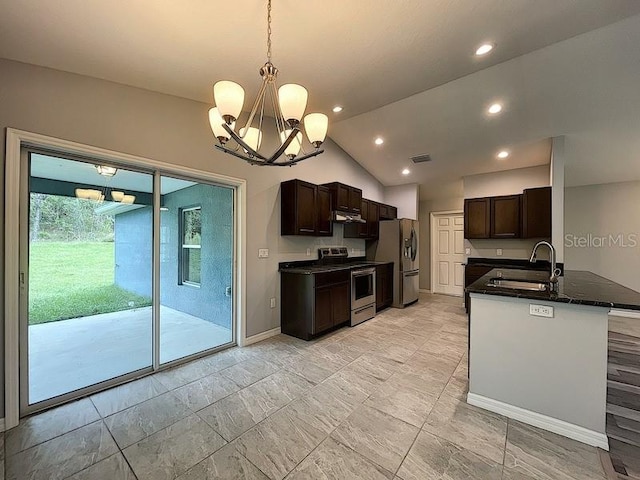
(398, 243)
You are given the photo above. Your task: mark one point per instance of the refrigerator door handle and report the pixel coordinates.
(412, 274)
(414, 245)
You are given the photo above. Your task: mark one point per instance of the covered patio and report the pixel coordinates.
(71, 354)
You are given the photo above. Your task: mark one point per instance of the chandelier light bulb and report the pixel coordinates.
(316, 125)
(117, 196)
(229, 98)
(294, 147)
(216, 121)
(252, 137)
(293, 102)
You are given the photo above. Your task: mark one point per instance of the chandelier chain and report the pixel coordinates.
(269, 31)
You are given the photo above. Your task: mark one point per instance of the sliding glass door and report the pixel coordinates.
(196, 267)
(98, 306)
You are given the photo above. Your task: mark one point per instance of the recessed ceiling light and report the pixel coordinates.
(495, 108)
(337, 109)
(503, 154)
(378, 141)
(406, 171)
(484, 49)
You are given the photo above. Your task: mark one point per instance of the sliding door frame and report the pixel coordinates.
(16, 140)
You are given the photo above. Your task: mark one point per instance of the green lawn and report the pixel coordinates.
(75, 279)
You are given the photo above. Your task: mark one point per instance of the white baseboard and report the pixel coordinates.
(261, 336)
(566, 429)
(615, 312)
(2, 425)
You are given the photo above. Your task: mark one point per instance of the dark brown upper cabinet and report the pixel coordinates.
(373, 219)
(369, 230)
(388, 212)
(477, 218)
(505, 216)
(345, 197)
(304, 209)
(325, 210)
(536, 213)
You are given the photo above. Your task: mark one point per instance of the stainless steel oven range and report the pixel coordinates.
(363, 294)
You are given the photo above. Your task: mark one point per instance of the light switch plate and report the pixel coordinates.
(540, 310)
(273, 302)
(263, 253)
(467, 251)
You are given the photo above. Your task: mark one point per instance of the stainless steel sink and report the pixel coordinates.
(518, 284)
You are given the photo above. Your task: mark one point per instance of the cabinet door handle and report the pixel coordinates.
(306, 230)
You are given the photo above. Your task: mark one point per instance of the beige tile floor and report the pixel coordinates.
(383, 400)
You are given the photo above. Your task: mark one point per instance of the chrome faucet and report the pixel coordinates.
(555, 272)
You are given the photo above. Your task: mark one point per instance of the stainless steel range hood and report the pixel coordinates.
(347, 217)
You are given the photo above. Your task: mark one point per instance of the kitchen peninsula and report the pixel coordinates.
(540, 357)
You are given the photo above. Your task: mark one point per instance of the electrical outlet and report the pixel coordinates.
(467, 251)
(263, 253)
(353, 251)
(540, 310)
(499, 252)
(308, 252)
(272, 303)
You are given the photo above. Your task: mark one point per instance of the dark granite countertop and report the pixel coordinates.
(310, 267)
(577, 287)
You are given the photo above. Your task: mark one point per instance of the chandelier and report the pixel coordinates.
(288, 103)
(99, 195)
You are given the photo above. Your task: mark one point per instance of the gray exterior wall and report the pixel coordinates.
(133, 250)
(133, 253)
(208, 301)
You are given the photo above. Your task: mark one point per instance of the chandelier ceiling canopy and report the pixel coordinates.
(288, 103)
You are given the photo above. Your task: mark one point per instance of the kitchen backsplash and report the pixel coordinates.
(292, 248)
(515, 248)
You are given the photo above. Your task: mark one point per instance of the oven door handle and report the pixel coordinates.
(362, 273)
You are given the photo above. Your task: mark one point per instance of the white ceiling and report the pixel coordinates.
(371, 57)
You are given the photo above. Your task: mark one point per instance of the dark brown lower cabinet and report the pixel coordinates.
(384, 286)
(311, 304)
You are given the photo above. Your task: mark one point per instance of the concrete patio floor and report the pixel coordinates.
(71, 354)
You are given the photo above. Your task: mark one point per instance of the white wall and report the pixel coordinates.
(593, 213)
(405, 197)
(508, 182)
(176, 131)
(426, 208)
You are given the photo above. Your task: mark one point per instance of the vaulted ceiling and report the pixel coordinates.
(403, 70)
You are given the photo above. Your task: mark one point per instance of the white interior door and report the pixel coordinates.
(448, 254)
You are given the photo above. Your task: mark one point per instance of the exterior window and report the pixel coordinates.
(191, 229)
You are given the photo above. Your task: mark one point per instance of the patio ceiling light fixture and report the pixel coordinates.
(106, 171)
(288, 103)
